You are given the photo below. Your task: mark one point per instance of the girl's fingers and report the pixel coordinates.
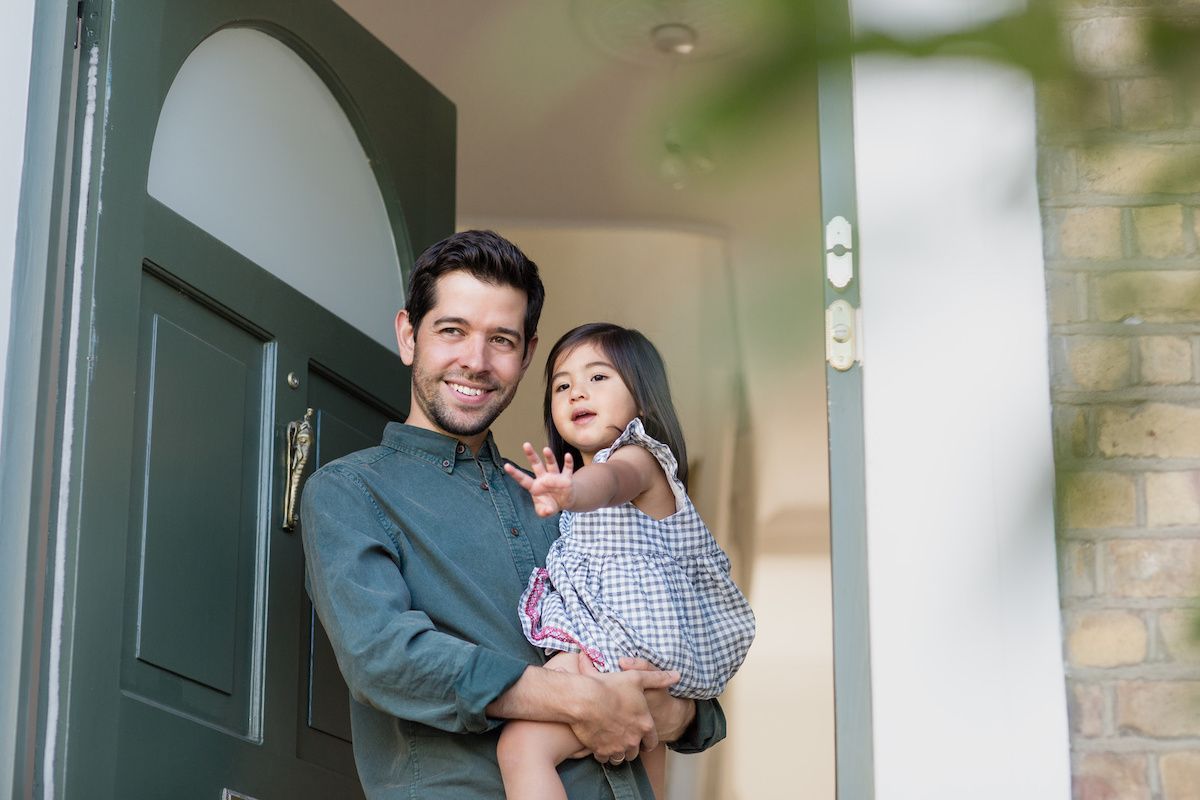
(534, 462)
(523, 480)
(568, 464)
(551, 461)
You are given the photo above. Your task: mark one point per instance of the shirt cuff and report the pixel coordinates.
(707, 728)
(486, 675)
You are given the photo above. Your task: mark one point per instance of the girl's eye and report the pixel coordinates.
(600, 377)
(562, 387)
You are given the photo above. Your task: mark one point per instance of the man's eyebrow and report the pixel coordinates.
(588, 365)
(449, 320)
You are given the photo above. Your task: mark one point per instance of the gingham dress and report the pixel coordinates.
(620, 583)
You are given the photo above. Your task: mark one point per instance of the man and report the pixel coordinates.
(418, 551)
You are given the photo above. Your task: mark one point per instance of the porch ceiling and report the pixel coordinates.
(553, 129)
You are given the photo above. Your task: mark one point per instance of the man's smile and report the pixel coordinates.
(466, 391)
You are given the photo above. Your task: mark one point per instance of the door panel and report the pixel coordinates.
(197, 465)
(189, 647)
(346, 420)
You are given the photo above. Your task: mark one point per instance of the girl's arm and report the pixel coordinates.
(627, 475)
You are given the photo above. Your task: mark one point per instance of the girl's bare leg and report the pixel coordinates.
(530, 752)
(655, 762)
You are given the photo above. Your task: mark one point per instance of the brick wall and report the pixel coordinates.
(1120, 187)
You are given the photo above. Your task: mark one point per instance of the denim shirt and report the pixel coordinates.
(417, 553)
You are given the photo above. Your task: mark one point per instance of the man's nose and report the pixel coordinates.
(473, 355)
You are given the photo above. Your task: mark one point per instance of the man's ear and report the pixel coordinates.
(528, 359)
(406, 337)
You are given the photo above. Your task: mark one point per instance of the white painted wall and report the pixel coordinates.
(969, 696)
(16, 38)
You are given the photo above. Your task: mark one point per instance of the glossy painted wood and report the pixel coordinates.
(186, 617)
(847, 486)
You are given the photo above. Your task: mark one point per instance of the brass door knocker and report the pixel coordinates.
(299, 443)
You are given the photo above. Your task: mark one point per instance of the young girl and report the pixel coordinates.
(635, 572)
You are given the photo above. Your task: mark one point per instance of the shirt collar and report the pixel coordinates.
(437, 448)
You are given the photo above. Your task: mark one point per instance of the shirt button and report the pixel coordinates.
(462, 448)
(516, 532)
(445, 463)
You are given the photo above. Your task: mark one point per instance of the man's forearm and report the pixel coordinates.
(542, 695)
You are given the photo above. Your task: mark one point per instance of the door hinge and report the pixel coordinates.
(78, 24)
(839, 252)
(843, 334)
(87, 22)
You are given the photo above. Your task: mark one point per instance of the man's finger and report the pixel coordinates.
(630, 664)
(657, 679)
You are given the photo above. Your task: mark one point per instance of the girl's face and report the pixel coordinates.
(589, 403)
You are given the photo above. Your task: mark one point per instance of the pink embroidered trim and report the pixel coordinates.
(538, 633)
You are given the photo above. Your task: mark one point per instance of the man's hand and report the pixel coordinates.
(551, 490)
(672, 715)
(615, 721)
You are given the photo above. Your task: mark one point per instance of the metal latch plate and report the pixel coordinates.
(839, 253)
(841, 335)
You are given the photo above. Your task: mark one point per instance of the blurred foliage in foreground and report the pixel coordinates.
(1164, 36)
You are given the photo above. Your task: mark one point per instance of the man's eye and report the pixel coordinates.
(503, 342)
(450, 331)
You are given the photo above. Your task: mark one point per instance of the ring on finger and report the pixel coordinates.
(617, 759)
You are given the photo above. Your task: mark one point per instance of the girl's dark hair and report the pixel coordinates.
(644, 374)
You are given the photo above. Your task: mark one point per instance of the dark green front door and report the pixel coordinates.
(192, 666)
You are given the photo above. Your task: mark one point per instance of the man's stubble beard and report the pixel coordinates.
(427, 395)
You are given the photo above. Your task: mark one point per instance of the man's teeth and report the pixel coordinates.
(467, 390)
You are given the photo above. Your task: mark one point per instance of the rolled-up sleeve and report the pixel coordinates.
(707, 728)
(392, 656)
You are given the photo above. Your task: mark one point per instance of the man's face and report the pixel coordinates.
(468, 356)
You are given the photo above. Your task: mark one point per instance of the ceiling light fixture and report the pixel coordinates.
(674, 38)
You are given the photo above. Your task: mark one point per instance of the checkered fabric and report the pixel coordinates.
(620, 583)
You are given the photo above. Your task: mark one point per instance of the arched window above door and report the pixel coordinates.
(252, 147)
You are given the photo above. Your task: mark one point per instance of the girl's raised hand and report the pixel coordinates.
(552, 490)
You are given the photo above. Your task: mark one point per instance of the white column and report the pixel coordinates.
(967, 676)
(16, 39)
(16, 47)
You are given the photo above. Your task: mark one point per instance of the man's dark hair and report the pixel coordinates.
(486, 256)
(645, 376)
